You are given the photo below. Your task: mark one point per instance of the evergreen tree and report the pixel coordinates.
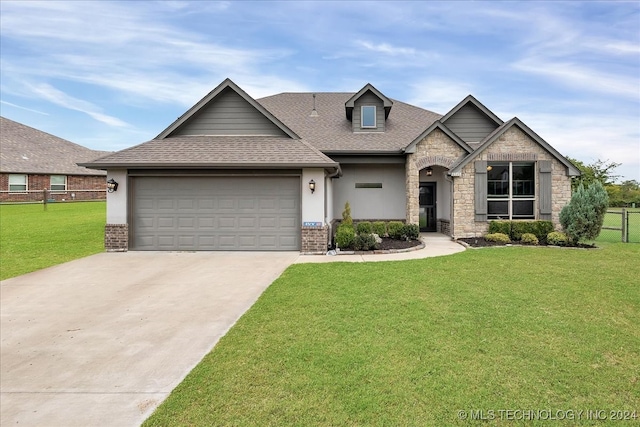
(583, 217)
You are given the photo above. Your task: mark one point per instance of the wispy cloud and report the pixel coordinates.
(23, 108)
(386, 48)
(60, 98)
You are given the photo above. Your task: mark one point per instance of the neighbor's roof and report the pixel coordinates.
(331, 132)
(218, 151)
(24, 149)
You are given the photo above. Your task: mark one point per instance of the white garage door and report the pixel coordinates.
(216, 213)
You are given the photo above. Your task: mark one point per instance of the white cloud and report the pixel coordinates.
(23, 108)
(60, 98)
(386, 48)
(438, 95)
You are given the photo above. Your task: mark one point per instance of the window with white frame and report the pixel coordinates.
(58, 183)
(17, 183)
(368, 116)
(511, 190)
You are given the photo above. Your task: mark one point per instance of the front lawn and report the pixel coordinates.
(32, 238)
(415, 342)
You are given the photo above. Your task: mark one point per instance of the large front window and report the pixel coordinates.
(511, 190)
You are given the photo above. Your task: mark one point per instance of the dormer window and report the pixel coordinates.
(368, 114)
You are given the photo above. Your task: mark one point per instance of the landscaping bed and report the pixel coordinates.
(481, 242)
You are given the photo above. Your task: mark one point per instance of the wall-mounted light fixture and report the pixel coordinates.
(112, 185)
(489, 167)
(312, 186)
(429, 171)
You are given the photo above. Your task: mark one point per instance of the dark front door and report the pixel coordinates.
(428, 206)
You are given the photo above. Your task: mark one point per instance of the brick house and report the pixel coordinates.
(32, 161)
(237, 173)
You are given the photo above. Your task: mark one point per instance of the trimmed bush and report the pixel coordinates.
(541, 229)
(497, 237)
(503, 227)
(583, 217)
(557, 238)
(345, 234)
(529, 239)
(380, 228)
(395, 228)
(411, 231)
(364, 242)
(364, 227)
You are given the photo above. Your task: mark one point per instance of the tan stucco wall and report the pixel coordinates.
(513, 145)
(436, 149)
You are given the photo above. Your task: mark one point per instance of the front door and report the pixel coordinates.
(428, 206)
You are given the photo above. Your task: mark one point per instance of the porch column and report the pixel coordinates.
(412, 189)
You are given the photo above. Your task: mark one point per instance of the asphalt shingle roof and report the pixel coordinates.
(218, 151)
(331, 132)
(24, 149)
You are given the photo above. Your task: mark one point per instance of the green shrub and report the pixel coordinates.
(503, 227)
(346, 215)
(394, 229)
(557, 238)
(380, 228)
(529, 239)
(364, 227)
(583, 217)
(497, 237)
(364, 242)
(541, 229)
(411, 231)
(345, 234)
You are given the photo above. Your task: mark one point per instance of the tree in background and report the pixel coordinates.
(625, 194)
(583, 217)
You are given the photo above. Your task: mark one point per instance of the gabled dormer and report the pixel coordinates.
(471, 120)
(368, 110)
(227, 110)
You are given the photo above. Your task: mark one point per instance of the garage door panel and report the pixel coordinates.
(216, 213)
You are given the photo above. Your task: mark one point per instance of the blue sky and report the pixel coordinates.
(109, 75)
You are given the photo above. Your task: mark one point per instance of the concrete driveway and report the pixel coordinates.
(101, 341)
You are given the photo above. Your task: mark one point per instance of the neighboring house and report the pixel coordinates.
(236, 173)
(32, 161)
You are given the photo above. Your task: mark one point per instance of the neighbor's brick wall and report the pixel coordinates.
(513, 145)
(315, 240)
(436, 149)
(116, 237)
(79, 187)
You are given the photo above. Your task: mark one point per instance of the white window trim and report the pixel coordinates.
(510, 198)
(375, 118)
(26, 183)
(51, 184)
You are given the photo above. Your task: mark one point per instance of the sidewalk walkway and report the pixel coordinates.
(436, 244)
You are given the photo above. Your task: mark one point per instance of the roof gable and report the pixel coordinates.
(495, 135)
(227, 110)
(349, 105)
(438, 125)
(471, 120)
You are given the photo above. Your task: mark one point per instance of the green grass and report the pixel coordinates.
(615, 220)
(412, 342)
(32, 238)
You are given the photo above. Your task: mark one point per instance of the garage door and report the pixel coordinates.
(216, 213)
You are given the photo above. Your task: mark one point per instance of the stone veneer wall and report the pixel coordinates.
(513, 145)
(435, 149)
(116, 237)
(314, 240)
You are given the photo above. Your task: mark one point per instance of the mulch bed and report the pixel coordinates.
(388, 243)
(480, 242)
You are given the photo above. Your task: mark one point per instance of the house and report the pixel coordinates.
(32, 161)
(237, 173)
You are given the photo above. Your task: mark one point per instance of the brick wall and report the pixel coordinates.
(116, 237)
(314, 240)
(79, 187)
